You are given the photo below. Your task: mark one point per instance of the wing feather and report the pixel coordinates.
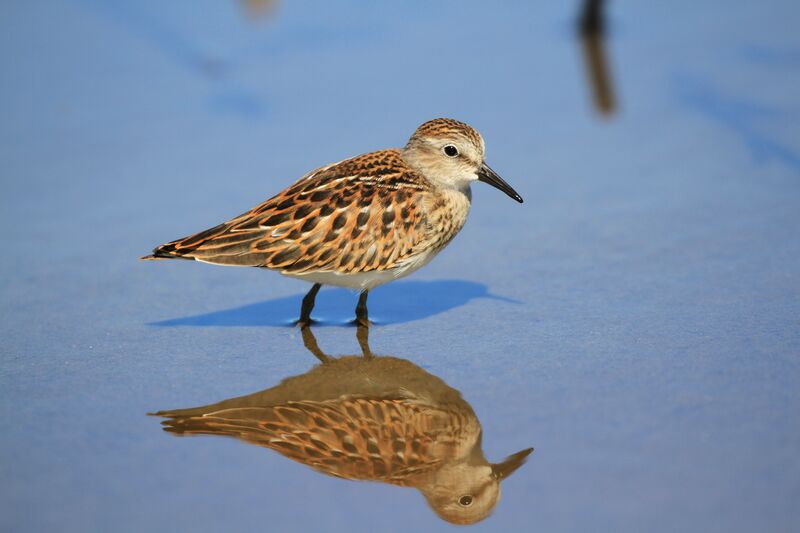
(354, 216)
(390, 440)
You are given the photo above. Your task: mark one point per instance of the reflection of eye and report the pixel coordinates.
(450, 150)
(465, 501)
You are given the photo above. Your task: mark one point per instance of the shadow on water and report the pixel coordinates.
(370, 418)
(394, 303)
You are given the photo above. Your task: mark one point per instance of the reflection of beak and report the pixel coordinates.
(510, 464)
(487, 175)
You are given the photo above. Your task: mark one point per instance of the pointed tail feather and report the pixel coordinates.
(165, 251)
(186, 247)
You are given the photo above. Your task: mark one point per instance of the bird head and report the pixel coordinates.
(463, 493)
(451, 153)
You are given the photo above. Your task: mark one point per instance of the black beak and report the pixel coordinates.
(487, 175)
(510, 464)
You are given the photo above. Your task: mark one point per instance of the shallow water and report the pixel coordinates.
(635, 320)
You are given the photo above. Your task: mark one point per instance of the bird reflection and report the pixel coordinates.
(591, 28)
(367, 417)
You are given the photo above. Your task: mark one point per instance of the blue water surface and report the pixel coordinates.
(636, 320)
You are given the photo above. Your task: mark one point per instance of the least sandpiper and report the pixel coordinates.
(358, 223)
(371, 418)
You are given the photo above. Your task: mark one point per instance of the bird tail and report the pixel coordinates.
(165, 251)
(155, 257)
(185, 248)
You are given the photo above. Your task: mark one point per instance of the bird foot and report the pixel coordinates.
(361, 322)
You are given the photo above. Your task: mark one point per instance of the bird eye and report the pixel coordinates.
(450, 150)
(465, 501)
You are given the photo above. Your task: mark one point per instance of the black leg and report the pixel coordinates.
(362, 334)
(311, 345)
(362, 316)
(308, 305)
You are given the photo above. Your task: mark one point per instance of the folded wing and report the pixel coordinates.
(358, 215)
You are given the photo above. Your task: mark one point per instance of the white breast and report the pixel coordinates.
(367, 280)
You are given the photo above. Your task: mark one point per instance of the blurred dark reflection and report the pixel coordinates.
(367, 417)
(213, 58)
(743, 115)
(259, 9)
(592, 29)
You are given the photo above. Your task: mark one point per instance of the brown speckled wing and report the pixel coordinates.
(358, 215)
(367, 439)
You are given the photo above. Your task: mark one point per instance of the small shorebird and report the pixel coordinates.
(358, 223)
(369, 418)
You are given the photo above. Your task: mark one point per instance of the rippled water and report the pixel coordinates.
(635, 321)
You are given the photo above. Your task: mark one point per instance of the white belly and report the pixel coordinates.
(365, 281)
